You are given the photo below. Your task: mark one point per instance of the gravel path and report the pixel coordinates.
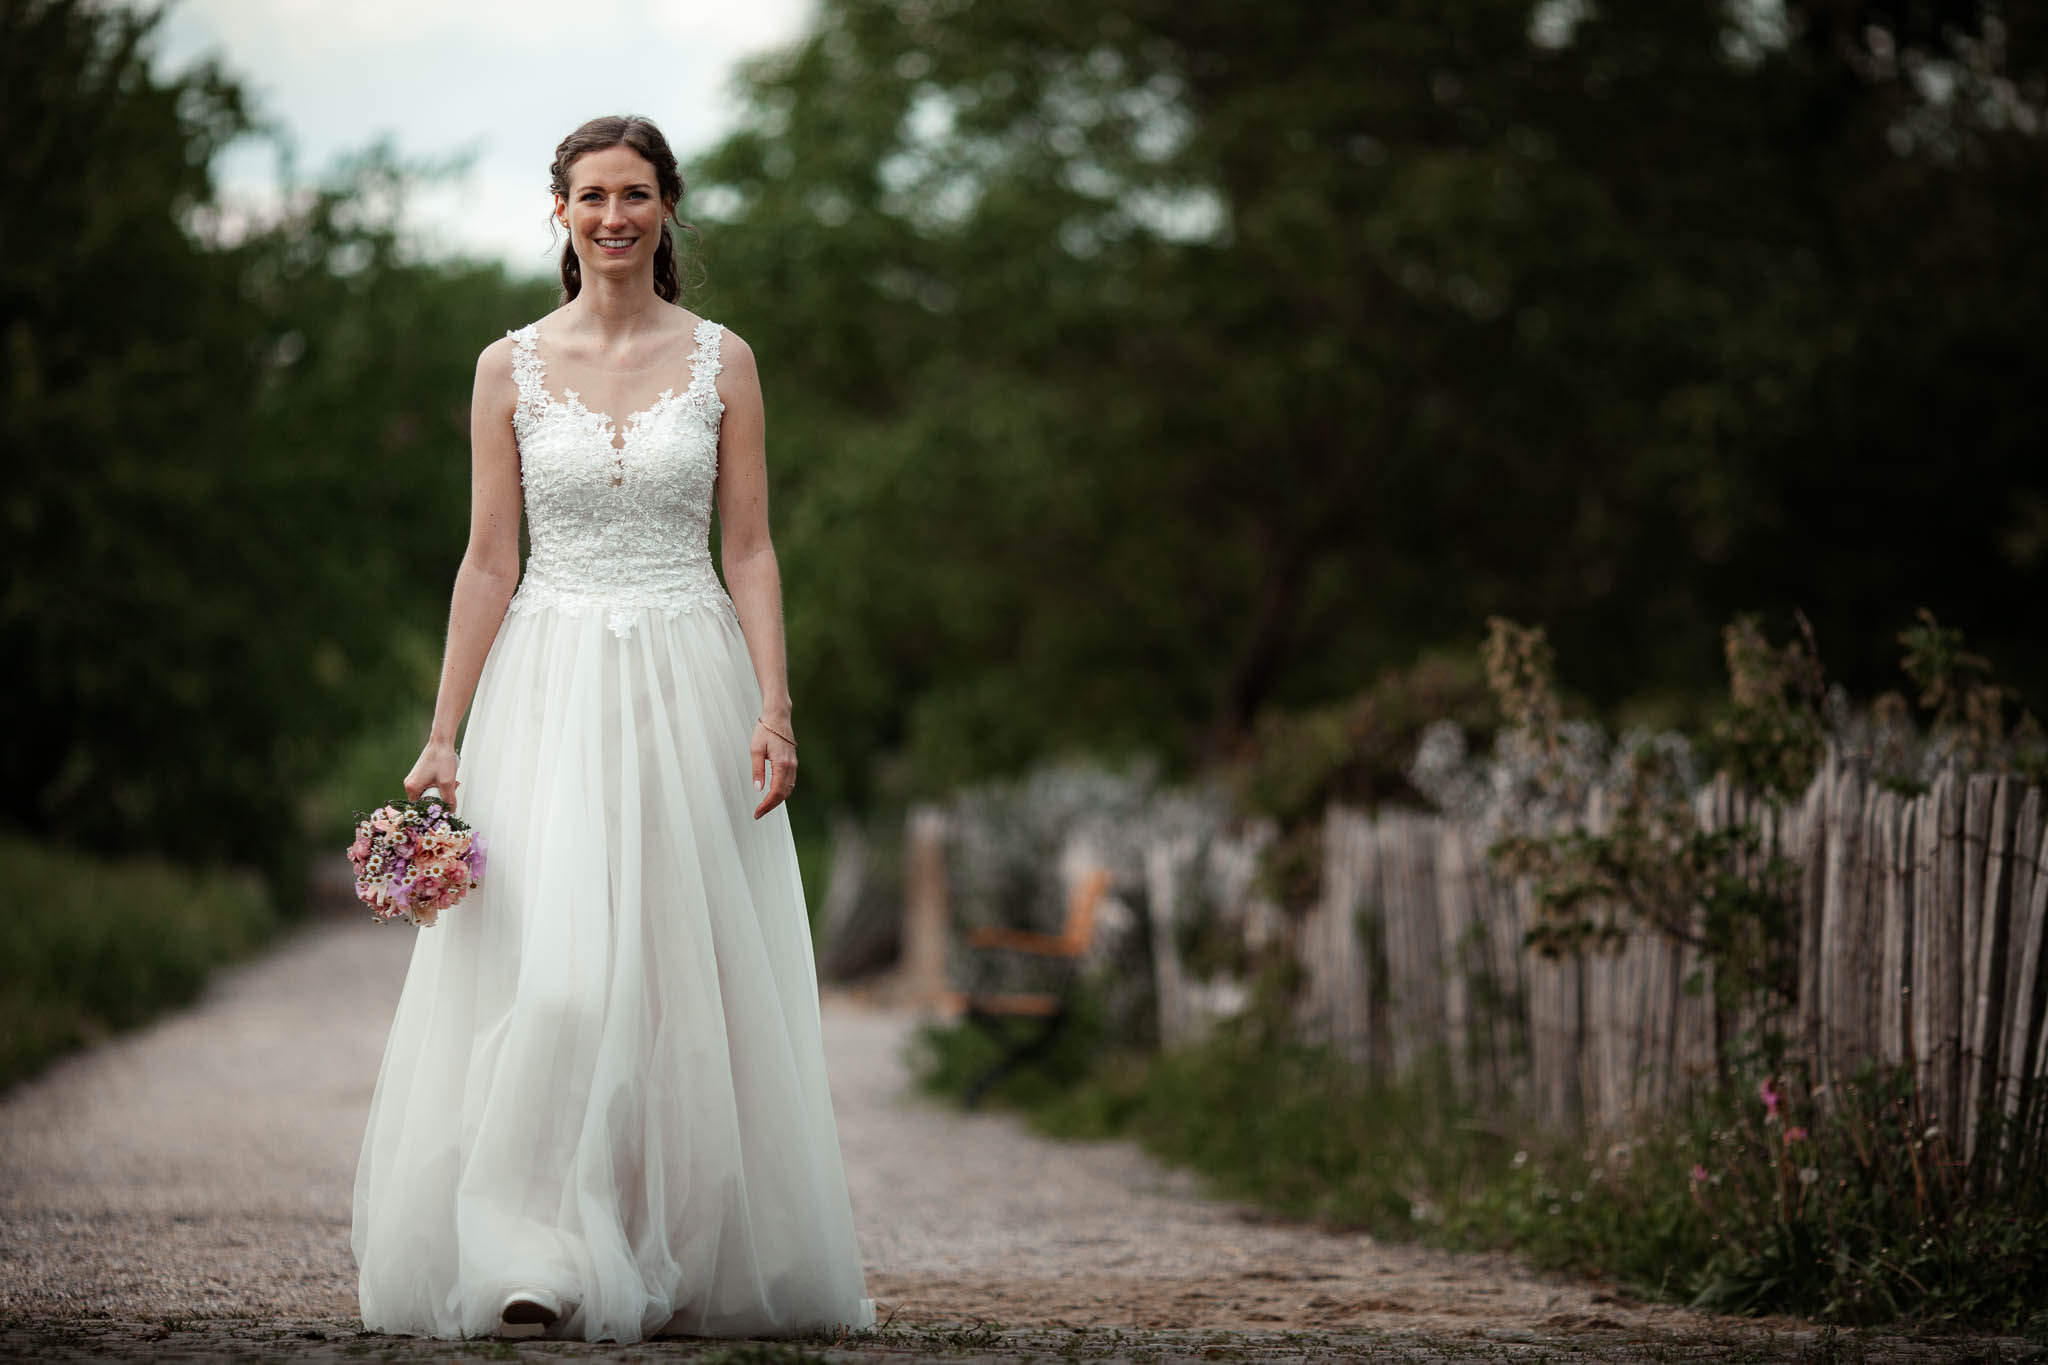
(183, 1193)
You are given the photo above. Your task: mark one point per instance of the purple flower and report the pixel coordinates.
(1771, 1098)
(1699, 1174)
(434, 811)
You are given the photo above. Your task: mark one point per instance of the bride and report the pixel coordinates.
(602, 1110)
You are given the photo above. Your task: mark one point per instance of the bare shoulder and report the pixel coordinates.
(735, 354)
(496, 358)
(494, 369)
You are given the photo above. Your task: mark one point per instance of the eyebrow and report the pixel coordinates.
(636, 185)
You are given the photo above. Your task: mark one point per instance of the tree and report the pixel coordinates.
(1150, 365)
(237, 465)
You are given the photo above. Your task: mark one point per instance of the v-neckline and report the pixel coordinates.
(615, 432)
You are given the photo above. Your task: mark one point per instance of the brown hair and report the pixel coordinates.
(601, 134)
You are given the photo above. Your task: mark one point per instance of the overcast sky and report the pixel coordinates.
(504, 78)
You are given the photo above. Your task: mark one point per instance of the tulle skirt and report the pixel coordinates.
(605, 1080)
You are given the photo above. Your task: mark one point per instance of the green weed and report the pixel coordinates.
(90, 946)
(1841, 1208)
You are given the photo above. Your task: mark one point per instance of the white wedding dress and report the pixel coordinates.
(605, 1080)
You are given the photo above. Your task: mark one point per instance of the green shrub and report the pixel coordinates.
(1356, 751)
(946, 1057)
(90, 946)
(1848, 1213)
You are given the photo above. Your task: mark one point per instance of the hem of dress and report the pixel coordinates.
(864, 1317)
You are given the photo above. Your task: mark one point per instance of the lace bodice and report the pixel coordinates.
(618, 529)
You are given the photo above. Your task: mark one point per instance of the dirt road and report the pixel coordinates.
(183, 1193)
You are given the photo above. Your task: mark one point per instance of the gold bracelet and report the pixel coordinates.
(788, 739)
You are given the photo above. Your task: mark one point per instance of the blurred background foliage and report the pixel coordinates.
(1143, 379)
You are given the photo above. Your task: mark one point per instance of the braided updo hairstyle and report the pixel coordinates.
(640, 134)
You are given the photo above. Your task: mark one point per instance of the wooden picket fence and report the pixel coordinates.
(1921, 926)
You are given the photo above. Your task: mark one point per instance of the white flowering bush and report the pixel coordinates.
(1015, 848)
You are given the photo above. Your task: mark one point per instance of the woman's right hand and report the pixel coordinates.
(436, 769)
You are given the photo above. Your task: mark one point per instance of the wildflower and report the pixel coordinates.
(1699, 1174)
(1793, 1135)
(1808, 1174)
(1521, 1160)
(1771, 1098)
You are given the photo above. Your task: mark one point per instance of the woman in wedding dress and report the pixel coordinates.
(602, 1111)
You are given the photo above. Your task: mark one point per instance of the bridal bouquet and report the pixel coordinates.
(414, 859)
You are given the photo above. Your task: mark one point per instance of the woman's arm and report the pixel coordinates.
(490, 565)
(751, 574)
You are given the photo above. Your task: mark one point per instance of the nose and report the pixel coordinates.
(615, 211)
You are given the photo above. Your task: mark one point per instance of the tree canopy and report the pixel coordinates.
(1138, 367)
(237, 471)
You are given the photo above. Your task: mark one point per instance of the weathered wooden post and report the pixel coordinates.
(1164, 864)
(921, 973)
(1985, 1001)
(2027, 982)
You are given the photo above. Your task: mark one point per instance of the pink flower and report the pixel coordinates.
(1771, 1098)
(1793, 1135)
(1699, 1174)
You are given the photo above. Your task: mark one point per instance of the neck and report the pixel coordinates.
(618, 308)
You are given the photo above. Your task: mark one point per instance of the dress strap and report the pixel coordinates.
(527, 371)
(704, 361)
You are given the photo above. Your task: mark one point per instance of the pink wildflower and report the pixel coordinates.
(1771, 1098)
(1793, 1135)
(1699, 1174)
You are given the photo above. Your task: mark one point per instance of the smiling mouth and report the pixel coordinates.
(614, 243)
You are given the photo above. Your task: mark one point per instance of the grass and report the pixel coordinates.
(1847, 1213)
(90, 946)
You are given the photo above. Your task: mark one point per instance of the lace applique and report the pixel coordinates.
(620, 528)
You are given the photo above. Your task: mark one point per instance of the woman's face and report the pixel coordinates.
(613, 212)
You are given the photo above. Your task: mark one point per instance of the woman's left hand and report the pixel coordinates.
(777, 756)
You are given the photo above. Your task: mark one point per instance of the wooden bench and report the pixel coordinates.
(1049, 1010)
